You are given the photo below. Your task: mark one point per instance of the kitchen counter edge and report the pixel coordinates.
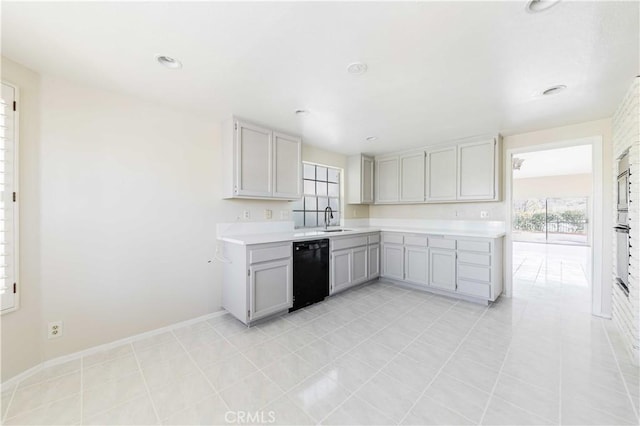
(278, 237)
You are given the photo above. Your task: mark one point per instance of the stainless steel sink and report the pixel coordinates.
(335, 230)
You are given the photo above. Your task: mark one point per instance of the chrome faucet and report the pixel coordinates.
(326, 220)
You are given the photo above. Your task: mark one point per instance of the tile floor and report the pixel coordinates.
(378, 354)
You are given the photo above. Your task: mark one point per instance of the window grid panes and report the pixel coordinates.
(321, 186)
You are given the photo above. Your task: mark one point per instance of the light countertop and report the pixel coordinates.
(300, 235)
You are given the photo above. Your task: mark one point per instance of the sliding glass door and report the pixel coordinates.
(552, 220)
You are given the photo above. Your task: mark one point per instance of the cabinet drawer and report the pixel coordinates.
(474, 289)
(343, 243)
(392, 238)
(269, 253)
(481, 246)
(475, 273)
(474, 258)
(373, 239)
(436, 242)
(415, 240)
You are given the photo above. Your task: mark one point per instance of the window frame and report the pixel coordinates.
(15, 204)
(340, 209)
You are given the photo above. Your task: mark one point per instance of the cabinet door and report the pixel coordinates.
(287, 166)
(442, 269)
(441, 174)
(374, 261)
(271, 288)
(387, 180)
(416, 264)
(393, 261)
(477, 171)
(367, 180)
(341, 265)
(360, 268)
(412, 177)
(253, 154)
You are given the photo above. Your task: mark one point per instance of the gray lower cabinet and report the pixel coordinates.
(479, 266)
(258, 280)
(270, 290)
(374, 261)
(360, 265)
(341, 270)
(354, 260)
(393, 261)
(442, 269)
(468, 266)
(416, 261)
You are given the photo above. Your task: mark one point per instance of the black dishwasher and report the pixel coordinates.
(310, 272)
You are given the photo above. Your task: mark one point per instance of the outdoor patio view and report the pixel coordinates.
(551, 220)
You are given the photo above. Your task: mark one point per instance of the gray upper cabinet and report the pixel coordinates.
(360, 178)
(387, 185)
(477, 177)
(462, 172)
(254, 148)
(412, 177)
(258, 162)
(287, 163)
(441, 174)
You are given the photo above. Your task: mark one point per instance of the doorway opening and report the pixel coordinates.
(551, 233)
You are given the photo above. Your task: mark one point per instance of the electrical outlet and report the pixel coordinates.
(484, 214)
(457, 213)
(246, 215)
(268, 214)
(355, 212)
(55, 329)
(284, 214)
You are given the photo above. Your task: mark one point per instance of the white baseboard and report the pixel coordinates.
(95, 349)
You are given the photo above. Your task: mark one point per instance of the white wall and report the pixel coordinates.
(121, 200)
(22, 330)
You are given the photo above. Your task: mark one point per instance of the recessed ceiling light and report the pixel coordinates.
(169, 62)
(371, 138)
(302, 112)
(357, 68)
(535, 6)
(554, 89)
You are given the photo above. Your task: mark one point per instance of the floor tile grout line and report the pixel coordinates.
(342, 355)
(619, 369)
(215, 389)
(388, 362)
(47, 379)
(440, 370)
(146, 385)
(6, 411)
(38, 407)
(119, 404)
(495, 384)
